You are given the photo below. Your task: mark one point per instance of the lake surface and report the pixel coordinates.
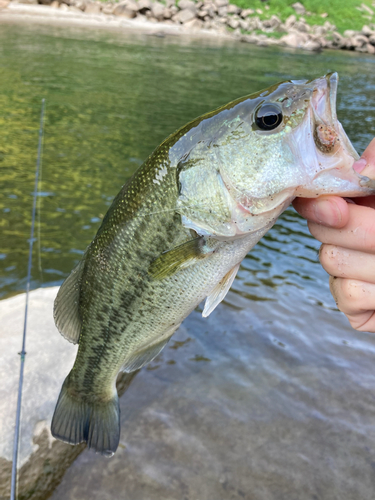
(273, 395)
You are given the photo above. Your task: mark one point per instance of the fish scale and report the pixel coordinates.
(178, 230)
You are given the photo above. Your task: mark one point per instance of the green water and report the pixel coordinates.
(271, 397)
(110, 100)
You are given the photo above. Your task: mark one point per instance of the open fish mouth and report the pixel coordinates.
(329, 136)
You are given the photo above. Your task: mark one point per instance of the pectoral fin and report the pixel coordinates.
(168, 263)
(219, 292)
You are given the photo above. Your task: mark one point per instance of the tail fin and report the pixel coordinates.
(77, 420)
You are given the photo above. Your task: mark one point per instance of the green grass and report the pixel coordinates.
(342, 13)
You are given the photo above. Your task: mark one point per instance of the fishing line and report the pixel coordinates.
(23, 352)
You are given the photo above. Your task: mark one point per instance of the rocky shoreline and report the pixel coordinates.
(221, 17)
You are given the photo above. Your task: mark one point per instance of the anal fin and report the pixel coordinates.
(148, 352)
(220, 291)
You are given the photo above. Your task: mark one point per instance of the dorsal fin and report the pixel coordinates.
(219, 292)
(66, 308)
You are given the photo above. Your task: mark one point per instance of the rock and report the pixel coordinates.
(184, 16)
(187, 4)
(233, 23)
(122, 10)
(157, 9)
(169, 3)
(64, 7)
(312, 45)
(367, 31)
(244, 25)
(301, 26)
(259, 11)
(249, 39)
(42, 459)
(372, 39)
(233, 9)
(349, 33)
(194, 24)
(247, 12)
(370, 48)
(55, 4)
(92, 8)
(108, 8)
(221, 3)
(289, 22)
(167, 14)
(144, 5)
(360, 41)
(295, 40)
(324, 15)
(299, 8)
(29, 2)
(222, 11)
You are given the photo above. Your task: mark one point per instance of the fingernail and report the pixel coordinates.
(327, 213)
(359, 165)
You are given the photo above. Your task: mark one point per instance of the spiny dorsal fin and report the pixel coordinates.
(219, 292)
(168, 263)
(66, 308)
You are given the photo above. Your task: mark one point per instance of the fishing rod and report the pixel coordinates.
(23, 351)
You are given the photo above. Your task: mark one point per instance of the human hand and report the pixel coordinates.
(347, 231)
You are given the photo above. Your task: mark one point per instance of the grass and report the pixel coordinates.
(342, 13)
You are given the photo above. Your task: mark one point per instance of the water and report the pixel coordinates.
(272, 396)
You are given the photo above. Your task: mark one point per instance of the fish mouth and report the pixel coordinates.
(324, 98)
(329, 135)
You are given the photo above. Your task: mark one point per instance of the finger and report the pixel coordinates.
(366, 164)
(358, 234)
(344, 263)
(330, 211)
(356, 299)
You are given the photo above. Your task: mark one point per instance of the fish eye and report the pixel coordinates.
(268, 117)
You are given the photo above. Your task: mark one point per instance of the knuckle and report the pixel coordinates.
(349, 290)
(328, 258)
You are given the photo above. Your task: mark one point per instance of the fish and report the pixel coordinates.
(177, 231)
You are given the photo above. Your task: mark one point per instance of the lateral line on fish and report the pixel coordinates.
(22, 353)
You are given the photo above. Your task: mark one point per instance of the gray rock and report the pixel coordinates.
(312, 45)
(122, 10)
(367, 31)
(372, 39)
(244, 25)
(144, 5)
(42, 459)
(194, 24)
(93, 8)
(299, 8)
(370, 48)
(249, 39)
(167, 14)
(301, 26)
(289, 22)
(108, 8)
(233, 9)
(169, 3)
(187, 4)
(222, 11)
(233, 23)
(247, 12)
(221, 3)
(184, 16)
(157, 9)
(349, 33)
(294, 40)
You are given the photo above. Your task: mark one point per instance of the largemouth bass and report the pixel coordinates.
(178, 230)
